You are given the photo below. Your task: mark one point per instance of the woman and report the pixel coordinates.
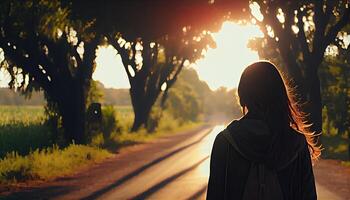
(272, 134)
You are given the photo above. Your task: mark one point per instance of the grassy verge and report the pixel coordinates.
(127, 138)
(48, 163)
(33, 156)
(118, 139)
(335, 147)
(24, 137)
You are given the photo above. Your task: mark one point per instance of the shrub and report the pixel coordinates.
(109, 122)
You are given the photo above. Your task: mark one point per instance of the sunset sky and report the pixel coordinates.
(221, 66)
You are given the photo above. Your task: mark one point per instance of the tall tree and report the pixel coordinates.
(156, 39)
(44, 49)
(335, 80)
(153, 67)
(300, 31)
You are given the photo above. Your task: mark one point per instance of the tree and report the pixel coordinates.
(153, 67)
(186, 100)
(157, 40)
(300, 31)
(45, 50)
(335, 82)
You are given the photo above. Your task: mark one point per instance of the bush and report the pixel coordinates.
(168, 122)
(23, 138)
(109, 122)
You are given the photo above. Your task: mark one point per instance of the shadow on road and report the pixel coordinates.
(198, 194)
(138, 171)
(168, 180)
(39, 193)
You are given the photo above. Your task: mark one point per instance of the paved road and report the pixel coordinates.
(173, 167)
(183, 175)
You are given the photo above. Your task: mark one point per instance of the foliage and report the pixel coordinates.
(110, 124)
(152, 20)
(48, 163)
(226, 102)
(95, 94)
(153, 52)
(335, 82)
(45, 50)
(298, 33)
(183, 103)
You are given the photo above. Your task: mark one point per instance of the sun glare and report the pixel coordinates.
(223, 65)
(220, 67)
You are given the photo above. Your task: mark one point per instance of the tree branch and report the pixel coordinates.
(124, 56)
(302, 37)
(333, 31)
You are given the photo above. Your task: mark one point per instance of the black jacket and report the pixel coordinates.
(290, 156)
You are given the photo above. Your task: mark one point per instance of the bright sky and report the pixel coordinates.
(221, 66)
(109, 69)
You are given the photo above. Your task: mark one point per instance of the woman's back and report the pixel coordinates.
(272, 139)
(230, 168)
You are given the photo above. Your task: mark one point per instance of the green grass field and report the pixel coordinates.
(21, 114)
(27, 150)
(22, 129)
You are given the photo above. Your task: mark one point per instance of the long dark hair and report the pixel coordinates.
(263, 91)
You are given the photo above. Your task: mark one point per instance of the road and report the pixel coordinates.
(172, 167)
(183, 175)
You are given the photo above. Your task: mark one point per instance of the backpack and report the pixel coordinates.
(262, 182)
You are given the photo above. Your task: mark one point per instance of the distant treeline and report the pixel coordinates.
(110, 97)
(189, 97)
(10, 97)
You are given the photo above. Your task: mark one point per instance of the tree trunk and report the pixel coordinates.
(311, 97)
(141, 116)
(315, 106)
(142, 104)
(142, 111)
(73, 114)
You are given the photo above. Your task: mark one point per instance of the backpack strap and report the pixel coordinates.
(226, 173)
(233, 143)
(265, 179)
(261, 177)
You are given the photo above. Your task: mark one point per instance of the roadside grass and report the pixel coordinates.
(22, 129)
(127, 138)
(24, 138)
(335, 147)
(48, 163)
(28, 153)
(118, 139)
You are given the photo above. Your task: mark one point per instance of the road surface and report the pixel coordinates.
(183, 175)
(173, 167)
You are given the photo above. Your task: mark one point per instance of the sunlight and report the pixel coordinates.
(109, 68)
(220, 67)
(223, 66)
(203, 170)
